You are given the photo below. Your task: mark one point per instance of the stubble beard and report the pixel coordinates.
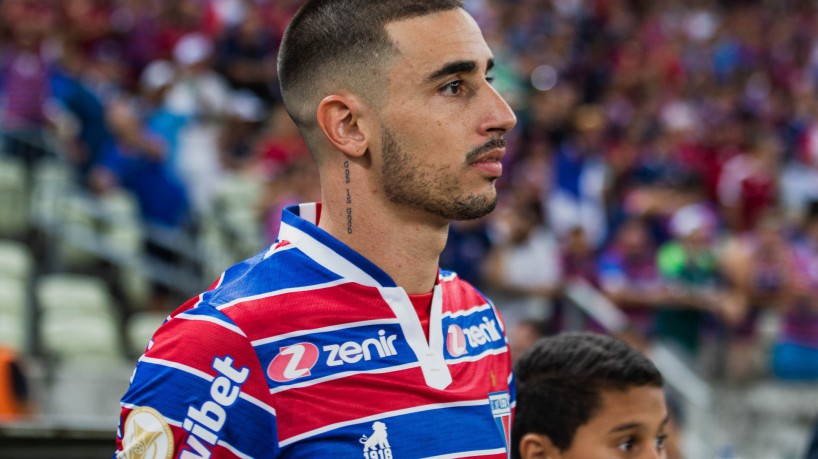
(437, 191)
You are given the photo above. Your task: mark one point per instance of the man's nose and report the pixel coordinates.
(500, 118)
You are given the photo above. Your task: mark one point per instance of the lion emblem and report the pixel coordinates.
(377, 439)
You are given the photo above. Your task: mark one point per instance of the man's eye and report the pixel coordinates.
(490, 79)
(452, 89)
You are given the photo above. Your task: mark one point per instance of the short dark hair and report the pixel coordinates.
(341, 42)
(560, 381)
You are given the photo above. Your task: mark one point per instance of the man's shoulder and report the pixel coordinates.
(280, 269)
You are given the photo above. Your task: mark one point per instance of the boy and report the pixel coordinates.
(588, 396)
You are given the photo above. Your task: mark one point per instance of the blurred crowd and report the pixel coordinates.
(666, 154)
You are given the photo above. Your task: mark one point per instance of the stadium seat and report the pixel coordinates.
(141, 327)
(71, 295)
(52, 181)
(15, 260)
(122, 231)
(13, 296)
(76, 230)
(12, 331)
(79, 336)
(13, 197)
(238, 191)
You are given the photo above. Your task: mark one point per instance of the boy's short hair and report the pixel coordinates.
(560, 381)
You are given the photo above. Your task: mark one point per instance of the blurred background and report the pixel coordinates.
(661, 185)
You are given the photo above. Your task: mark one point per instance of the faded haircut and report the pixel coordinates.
(560, 381)
(333, 44)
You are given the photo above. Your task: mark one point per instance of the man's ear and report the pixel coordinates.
(538, 446)
(340, 119)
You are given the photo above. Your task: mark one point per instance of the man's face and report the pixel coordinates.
(442, 122)
(629, 425)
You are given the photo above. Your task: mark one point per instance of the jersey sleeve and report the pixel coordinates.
(198, 392)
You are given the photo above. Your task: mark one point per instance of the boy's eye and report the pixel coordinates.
(626, 445)
(660, 442)
(490, 79)
(452, 89)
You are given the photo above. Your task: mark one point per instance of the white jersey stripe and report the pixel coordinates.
(388, 414)
(329, 328)
(212, 320)
(467, 312)
(474, 358)
(275, 248)
(325, 256)
(258, 403)
(206, 377)
(484, 452)
(283, 291)
(178, 366)
(201, 295)
(335, 376)
(232, 449)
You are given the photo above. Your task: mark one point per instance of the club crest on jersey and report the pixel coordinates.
(293, 362)
(376, 446)
(500, 403)
(147, 435)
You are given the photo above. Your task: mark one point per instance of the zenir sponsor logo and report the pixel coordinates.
(460, 340)
(297, 360)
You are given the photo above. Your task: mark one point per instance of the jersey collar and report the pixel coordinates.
(299, 227)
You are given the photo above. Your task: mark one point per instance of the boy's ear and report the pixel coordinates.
(340, 118)
(538, 446)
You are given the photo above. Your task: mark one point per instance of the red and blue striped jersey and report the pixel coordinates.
(309, 350)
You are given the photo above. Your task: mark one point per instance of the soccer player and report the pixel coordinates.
(588, 396)
(345, 339)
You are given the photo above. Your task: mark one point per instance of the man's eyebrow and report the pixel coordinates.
(453, 68)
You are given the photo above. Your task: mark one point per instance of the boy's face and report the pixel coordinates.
(630, 424)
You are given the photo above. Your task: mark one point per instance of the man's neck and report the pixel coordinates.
(405, 243)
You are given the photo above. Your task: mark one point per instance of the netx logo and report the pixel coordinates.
(297, 360)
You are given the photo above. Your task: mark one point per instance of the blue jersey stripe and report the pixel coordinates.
(283, 270)
(357, 349)
(291, 218)
(419, 434)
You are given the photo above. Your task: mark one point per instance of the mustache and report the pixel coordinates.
(493, 144)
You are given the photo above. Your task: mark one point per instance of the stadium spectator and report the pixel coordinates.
(246, 54)
(24, 77)
(578, 195)
(466, 249)
(688, 263)
(795, 349)
(748, 185)
(629, 275)
(578, 258)
(523, 265)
